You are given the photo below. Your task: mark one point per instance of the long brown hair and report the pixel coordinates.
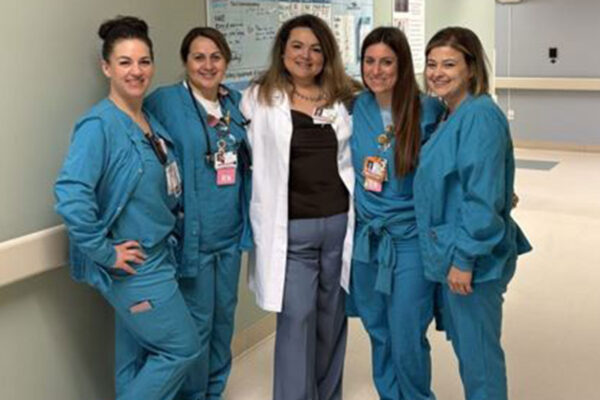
(465, 41)
(336, 85)
(406, 103)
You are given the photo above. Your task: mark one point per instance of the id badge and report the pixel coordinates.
(173, 179)
(226, 166)
(226, 176)
(375, 173)
(323, 116)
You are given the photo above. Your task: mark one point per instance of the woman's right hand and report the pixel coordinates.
(128, 252)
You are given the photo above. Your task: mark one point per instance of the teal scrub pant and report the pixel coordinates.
(211, 297)
(163, 334)
(396, 323)
(474, 326)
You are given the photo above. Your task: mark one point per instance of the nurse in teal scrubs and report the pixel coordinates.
(463, 197)
(208, 130)
(388, 290)
(118, 191)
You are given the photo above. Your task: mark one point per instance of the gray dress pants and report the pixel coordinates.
(311, 334)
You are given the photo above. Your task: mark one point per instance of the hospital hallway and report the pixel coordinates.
(552, 307)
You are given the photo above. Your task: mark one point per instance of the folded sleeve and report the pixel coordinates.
(481, 161)
(75, 192)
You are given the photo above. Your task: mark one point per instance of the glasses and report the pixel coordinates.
(158, 147)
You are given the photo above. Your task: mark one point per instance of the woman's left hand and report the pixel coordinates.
(459, 281)
(515, 200)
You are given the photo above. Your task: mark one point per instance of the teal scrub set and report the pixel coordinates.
(215, 227)
(388, 289)
(113, 188)
(463, 198)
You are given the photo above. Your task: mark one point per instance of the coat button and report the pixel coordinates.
(433, 235)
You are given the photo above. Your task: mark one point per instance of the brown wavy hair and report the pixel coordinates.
(336, 85)
(406, 103)
(465, 41)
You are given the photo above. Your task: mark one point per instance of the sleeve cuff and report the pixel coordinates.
(463, 264)
(107, 257)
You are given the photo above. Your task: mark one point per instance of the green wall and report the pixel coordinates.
(56, 336)
(49, 75)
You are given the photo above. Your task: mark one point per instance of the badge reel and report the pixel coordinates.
(375, 173)
(225, 164)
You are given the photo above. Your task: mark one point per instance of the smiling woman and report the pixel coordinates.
(208, 130)
(130, 69)
(301, 208)
(463, 200)
(120, 175)
(388, 289)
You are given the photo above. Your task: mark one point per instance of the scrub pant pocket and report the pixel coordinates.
(162, 332)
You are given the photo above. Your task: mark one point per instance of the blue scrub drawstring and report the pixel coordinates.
(386, 255)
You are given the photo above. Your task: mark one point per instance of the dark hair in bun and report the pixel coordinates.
(123, 27)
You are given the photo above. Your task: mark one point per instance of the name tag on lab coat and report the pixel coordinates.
(324, 116)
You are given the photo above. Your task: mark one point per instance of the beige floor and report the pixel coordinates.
(552, 312)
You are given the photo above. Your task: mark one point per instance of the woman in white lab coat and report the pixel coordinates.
(301, 206)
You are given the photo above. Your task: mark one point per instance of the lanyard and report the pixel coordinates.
(157, 146)
(242, 124)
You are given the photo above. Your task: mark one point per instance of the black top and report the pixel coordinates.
(315, 187)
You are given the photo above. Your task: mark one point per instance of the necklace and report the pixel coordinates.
(312, 99)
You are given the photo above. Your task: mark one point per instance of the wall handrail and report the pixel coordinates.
(541, 83)
(33, 254)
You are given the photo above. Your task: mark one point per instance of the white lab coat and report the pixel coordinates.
(270, 135)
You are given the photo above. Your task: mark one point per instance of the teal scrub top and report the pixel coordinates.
(396, 198)
(149, 215)
(215, 217)
(390, 214)
(463, 194)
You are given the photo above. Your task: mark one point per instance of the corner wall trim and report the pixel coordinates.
(32, 254)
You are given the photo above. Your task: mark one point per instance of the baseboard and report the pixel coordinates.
(254, 334)
(33, 254)
(564, 146)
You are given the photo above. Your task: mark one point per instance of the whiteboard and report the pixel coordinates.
(251, 26)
